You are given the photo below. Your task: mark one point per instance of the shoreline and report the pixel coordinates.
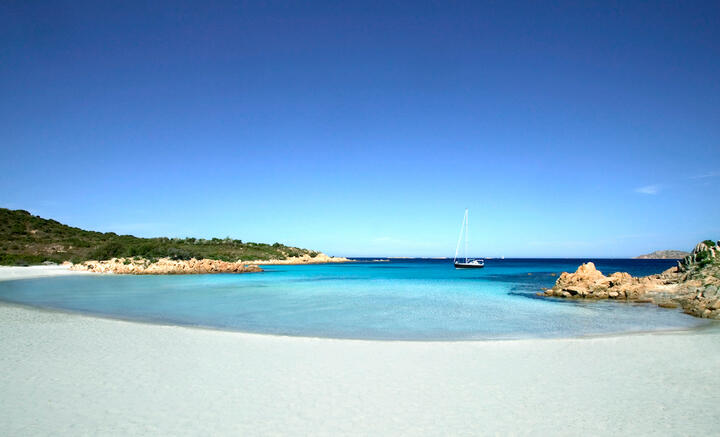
(18, 273)
(193, 266)
(97, 376)
(705, 327)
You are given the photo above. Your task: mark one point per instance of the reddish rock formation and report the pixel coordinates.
(165, 266)
(694, 284)
(319, 258)
(588, 282)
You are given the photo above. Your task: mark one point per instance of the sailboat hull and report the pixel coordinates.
(469, 265)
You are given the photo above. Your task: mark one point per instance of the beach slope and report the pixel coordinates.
(66, 374)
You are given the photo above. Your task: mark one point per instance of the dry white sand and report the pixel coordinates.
(66, 374)
(10, 273)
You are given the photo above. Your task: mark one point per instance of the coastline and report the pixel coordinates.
(168, 266)
(97, 375)
(320, 258)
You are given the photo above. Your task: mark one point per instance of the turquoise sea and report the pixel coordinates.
(408, 299)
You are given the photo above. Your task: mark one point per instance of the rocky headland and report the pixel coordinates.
(164, 266)
(692, 285)
(317, 258)
(167, 266)
(26, 239)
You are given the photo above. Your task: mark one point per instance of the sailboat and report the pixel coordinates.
(469, 263)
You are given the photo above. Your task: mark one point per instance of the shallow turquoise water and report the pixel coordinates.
(402, 299)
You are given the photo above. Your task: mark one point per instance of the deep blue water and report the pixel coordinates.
(401, 299)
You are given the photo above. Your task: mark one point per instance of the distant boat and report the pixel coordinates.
(469, 262)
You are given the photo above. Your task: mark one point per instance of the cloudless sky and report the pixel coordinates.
(366, 128)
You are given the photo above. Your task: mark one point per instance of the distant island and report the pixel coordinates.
(26, 239)
(665, 254)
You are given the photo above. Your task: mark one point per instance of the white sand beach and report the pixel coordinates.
(10, 273)
(68, 374)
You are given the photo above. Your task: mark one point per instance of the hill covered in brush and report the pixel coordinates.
(29, 239)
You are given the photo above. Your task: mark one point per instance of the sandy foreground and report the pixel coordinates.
(68, 374)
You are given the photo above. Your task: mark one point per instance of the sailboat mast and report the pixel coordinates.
(469, 262)
(467, 225)
(462, 228)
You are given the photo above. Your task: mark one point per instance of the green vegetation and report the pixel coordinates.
(27, 239)
(703, 261)
(704, 258)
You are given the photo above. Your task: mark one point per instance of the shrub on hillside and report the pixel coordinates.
(179, 254)
(109, 250)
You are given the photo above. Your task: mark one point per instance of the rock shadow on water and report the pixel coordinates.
(528, 286)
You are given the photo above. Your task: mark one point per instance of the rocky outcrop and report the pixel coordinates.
(319, 258)
(167, 266)
(164, 266)
(664, 254)
(588, 282)
(693, 285)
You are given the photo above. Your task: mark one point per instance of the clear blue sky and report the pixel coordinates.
(365, 128)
